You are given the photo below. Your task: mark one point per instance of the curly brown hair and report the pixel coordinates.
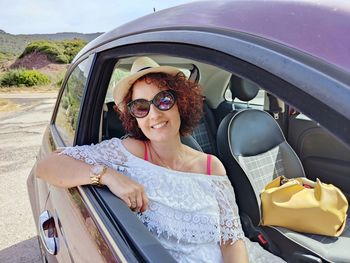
(189, 100)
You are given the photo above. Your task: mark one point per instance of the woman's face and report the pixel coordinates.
(157, 125)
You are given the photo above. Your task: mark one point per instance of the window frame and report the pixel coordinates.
(53, 126)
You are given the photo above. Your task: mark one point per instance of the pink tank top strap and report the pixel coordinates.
(146, 151)
(208, 164)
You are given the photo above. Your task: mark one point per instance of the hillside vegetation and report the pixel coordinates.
(56, 51)
(27, 78)
(15, 44)
(6, 57)
(42, 63)
(37, 60)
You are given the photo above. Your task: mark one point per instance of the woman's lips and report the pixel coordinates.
(159, 125)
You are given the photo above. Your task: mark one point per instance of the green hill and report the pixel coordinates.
(57, 51)
(15, 44)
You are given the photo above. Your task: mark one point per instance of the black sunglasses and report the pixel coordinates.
(163, 101)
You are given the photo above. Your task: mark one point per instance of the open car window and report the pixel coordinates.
(257, 102)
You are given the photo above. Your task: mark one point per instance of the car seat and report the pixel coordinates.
(205, 132)
(254, 151)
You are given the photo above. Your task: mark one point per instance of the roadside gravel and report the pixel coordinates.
(21, 132)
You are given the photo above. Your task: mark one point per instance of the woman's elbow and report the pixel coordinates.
(42, 167)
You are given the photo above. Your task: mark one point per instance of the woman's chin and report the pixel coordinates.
(160, 136)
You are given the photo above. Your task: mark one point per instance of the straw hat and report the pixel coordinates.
(140, 67)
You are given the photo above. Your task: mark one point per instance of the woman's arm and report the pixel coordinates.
(65, 171)
(235, 253)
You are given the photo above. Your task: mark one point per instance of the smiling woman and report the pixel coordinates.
(187, 95)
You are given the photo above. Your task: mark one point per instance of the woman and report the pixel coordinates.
(183, 196)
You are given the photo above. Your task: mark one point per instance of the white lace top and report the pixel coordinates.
(189, 213)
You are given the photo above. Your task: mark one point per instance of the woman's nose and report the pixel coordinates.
(154, 112)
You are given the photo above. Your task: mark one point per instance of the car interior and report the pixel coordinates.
(257, 137)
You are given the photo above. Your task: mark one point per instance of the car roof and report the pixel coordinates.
(318, 28)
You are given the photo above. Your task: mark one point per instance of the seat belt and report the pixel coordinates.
(258, 235)
(276, 111)
(103, 133)
(274, 108)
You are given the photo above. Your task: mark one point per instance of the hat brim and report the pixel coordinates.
(123, 86)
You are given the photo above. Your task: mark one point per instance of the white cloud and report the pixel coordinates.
(51, 16)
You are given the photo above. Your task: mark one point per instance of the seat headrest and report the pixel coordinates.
(243, 89)
(252, 132)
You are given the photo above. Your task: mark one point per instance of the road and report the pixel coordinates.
(21, 129)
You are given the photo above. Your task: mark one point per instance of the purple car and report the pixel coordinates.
(276, 80)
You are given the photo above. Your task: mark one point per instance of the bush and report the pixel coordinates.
(51, 49)
(59, 82)
(57, 51)
(20, 77)
(72, 47)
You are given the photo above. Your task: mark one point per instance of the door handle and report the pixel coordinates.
(48, 233)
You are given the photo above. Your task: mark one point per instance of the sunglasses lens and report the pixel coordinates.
(139, 108)
(164, 100)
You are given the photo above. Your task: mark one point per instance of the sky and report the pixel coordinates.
(83, 16)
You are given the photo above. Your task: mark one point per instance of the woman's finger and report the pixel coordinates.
(139, 201)
(144, 206)
(127, 201)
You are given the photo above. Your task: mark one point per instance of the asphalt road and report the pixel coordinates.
(21, 132)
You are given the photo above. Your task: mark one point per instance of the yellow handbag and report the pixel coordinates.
(305, 206)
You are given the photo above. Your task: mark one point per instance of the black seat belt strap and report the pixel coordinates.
(257, 234)
(275, 109)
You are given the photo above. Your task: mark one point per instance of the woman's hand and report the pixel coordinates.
(131, 192)
(65, 171)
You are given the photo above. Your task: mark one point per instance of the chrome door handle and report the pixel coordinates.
(48, 233)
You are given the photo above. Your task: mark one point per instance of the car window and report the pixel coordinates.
(116, 76)
(68, 111)
(259, 99)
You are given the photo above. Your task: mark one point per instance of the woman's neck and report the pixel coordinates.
(169, 154)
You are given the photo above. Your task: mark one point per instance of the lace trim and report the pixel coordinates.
(182, 226)
(190, 227)
(230, 224)
(107, 152)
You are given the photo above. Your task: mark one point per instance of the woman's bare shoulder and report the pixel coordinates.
(217, 168)
(134, 146)
(200, 162)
